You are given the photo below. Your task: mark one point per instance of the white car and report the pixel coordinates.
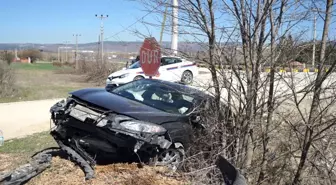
(172, 69)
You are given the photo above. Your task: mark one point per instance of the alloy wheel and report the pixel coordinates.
(187, 77)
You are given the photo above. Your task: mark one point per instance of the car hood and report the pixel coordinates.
(100, 97)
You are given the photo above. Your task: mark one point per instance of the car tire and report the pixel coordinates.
(138, 77)
(171, 157)
(187, 77)
(181, 136)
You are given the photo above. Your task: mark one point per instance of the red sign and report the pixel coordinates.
(150, 56)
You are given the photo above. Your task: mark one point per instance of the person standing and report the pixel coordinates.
(136, 60)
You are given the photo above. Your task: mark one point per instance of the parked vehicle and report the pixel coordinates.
(173, 69)
(150, 120)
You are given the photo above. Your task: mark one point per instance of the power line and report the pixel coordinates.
(138, 20)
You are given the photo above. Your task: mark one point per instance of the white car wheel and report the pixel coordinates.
(187, 77)
(138, 77)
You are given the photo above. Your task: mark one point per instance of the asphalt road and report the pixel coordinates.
(20, 119)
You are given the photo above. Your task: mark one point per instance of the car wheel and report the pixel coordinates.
(170, 158)
(138, 77)
(187, 77)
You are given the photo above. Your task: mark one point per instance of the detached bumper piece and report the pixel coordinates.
(40, 162)
(85, 165)
(24, 173)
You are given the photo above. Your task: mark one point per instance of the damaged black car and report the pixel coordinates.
(147, 120)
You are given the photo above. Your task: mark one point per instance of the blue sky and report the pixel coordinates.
(55, 21)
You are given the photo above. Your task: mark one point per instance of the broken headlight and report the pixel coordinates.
(140, 126)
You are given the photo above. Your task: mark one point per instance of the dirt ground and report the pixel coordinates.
(17, 152)
(64, 172)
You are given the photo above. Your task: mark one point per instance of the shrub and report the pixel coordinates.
(7, 56)
(96, 73)
(57, 64)
(93, 72)
(33, 54)
(7, 80)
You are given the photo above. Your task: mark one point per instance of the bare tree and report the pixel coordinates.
(315, 113)
(238, 39)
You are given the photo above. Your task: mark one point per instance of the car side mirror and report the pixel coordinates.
(126, 65)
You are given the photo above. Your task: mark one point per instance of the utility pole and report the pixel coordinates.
(76, 52)
(66, 51)
(58, 54)
(163, 24)
(175, 27)
(98, 50)
(102, 17)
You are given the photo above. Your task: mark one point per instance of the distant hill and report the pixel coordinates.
(109, 46)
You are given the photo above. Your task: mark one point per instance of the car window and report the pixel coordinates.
(167, 61)
(157, 95)
(177, 60)
(134, 65)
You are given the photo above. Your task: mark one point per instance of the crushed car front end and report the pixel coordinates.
(99, 134)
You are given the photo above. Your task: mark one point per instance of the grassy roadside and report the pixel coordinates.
(36, 66)
(43, 81)
(28, 145)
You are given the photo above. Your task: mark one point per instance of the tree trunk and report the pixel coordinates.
(314, 112)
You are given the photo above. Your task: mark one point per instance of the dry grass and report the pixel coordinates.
(18, 152)
(45, 80)
(97, 73)
(7, 79)
(44, 84)
(10, 161)
(64, 172)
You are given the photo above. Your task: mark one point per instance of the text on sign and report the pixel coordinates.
(150, 56)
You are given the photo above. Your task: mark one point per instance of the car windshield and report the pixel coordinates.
(158, 95)
(134, 65)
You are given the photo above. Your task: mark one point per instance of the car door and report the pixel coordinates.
(164, 71)
(171, 65)
(177, 71)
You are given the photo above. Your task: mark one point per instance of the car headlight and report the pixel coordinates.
(124, 75)
(140, 126)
